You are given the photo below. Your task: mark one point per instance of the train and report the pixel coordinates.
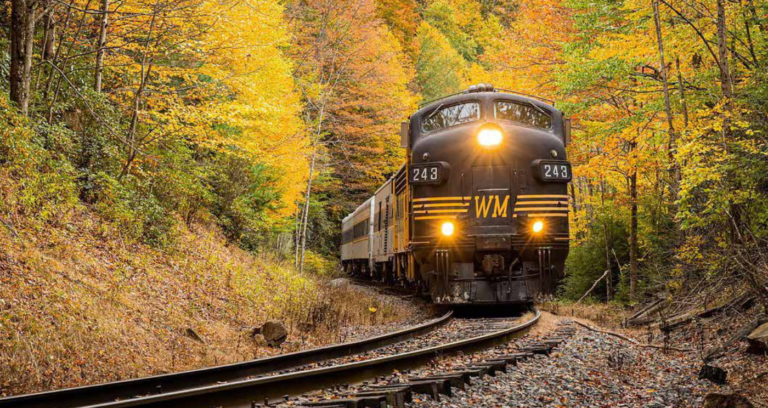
(478, 213)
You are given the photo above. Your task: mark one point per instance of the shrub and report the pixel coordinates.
(34, 182)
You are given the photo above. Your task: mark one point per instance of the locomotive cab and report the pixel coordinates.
(488, 176)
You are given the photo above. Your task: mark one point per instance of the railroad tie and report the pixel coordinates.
(554, 342)
(514, 358)
(538, 348)
(457, 379)
(378, 401)
(475, 371)
(494, 365)
(433, 388)
(396, 397)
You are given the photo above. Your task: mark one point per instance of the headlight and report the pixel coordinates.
(537, 227)
(489, 137)
(447, 228)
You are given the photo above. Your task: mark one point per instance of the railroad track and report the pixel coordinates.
(94, 395)
(274, 385)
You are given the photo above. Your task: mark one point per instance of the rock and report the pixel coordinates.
(274, 333)
(726, 401)
(758, 340)
(339, 282)
(192, 335)
(715, 374)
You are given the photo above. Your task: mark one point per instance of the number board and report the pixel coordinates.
(553, 170)
(428, 173)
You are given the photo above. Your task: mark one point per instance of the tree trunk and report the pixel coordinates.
(102, 44)
(681, 86)
(297, 235)
(49, 35)
(18, 11)
(633, 236)
(675, 171)
(305, 216)
(609, 278)
(726, 83)
(145, 73)
(22, 46)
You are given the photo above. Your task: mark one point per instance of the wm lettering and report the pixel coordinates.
(483, 206)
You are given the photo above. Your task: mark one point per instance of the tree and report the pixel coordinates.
(22, 33)
(354, 79)
(439, 66)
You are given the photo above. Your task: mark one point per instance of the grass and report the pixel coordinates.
(607, 315)
(79, 305)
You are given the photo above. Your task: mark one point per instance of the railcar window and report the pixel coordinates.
(451, 116)
(523, 113)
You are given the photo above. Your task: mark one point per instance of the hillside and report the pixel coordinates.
(79, 305)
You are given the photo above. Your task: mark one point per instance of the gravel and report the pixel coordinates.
(455, 330)
(588, 370)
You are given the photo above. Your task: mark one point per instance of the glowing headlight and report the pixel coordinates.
(489, 137)
(537, 227)
(447, 228)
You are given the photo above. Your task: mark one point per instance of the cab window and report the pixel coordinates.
(523, 113)
(450, 116)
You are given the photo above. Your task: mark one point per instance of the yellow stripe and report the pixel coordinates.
(436, 217)
(541, 202)
(444, 205)
(417, 200)
(542, 196)
(540, 209)
(440, 211)
(562, 239)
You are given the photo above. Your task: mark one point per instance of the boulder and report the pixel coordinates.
(193, 335)
(274, 333)
(726, 401)
(715, 374)
(758, 340)
(339, 282)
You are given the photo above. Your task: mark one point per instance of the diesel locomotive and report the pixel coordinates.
(478, 213)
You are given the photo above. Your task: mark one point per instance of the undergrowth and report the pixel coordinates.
(79, 305)
(104, 279)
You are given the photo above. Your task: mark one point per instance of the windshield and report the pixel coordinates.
(451, 116)
(523, 113)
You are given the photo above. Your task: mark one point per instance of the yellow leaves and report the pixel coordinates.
(227, 87)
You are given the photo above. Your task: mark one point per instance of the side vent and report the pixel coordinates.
(404, 135)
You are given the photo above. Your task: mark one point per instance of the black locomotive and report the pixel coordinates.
(478, 214)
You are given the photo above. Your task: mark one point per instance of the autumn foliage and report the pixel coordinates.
(270, 120)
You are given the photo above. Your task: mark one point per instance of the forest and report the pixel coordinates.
(274, 119)
(262, 123)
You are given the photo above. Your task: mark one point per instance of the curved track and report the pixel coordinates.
(245, 393)
(188, 381)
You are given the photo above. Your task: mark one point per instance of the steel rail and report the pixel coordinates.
(168, 384)
(244, 393)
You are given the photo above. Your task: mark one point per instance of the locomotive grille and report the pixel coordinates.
(541, 206)
(439, 208)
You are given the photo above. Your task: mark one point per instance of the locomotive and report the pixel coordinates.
(478, 213)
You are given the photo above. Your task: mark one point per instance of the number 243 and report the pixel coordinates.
(425, 174)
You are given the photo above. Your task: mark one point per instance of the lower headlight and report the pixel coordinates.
(537, 227)
(447, 228)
